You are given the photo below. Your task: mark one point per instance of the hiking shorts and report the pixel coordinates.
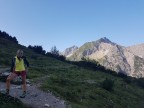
(20, 73)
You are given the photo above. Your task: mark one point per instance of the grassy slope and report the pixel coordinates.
(79, 86)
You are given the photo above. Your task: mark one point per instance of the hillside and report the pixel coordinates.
(80, 87)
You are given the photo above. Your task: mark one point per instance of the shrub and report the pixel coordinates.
(140, 82)
(108, 84)
(128, 80)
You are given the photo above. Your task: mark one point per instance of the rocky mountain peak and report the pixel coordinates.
(74, 47)
(69, 51)
(105, 40)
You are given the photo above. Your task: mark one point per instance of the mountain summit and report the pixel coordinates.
(105, 40)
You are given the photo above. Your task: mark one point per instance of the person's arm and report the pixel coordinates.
(26, 63)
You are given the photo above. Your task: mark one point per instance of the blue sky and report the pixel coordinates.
(64, 23)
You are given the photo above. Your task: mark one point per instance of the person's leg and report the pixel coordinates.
(24, 83)
(23, 75)
(8, 80)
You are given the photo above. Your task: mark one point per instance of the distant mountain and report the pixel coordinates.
(112, 56)
(89, 48)
(137, 50)
(69, 51)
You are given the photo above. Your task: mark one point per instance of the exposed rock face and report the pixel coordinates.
(112, 56)
(137, 50)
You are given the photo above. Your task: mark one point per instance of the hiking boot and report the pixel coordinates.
(23, 95)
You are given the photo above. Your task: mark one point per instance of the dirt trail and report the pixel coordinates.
(35, 97)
